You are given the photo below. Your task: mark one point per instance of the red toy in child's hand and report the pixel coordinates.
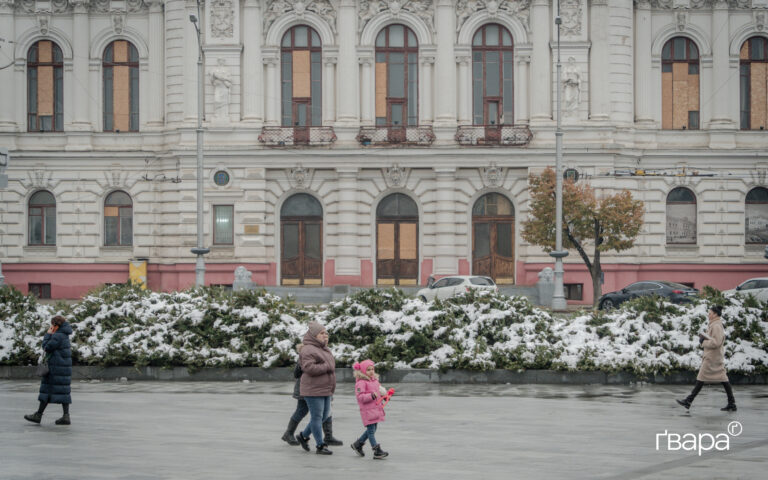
(384, 400)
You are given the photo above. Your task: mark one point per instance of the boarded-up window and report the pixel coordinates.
(680, 85)
(386, 241)
(45, 87)
(118, 219)
(42, 219)
(120, 71)
(681, 216)
(492, 76)
(301, 78)
(753, 69)
(397, 76)
(756, 221)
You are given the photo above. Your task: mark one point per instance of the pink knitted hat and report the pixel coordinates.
(363, 366)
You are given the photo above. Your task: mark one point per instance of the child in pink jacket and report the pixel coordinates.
(369, 393)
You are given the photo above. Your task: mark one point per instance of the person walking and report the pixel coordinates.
(301, 411)
(56, 386)
(369, 393)
(713, 361)
(317, 384)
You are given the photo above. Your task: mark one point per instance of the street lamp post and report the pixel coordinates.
(199, 250)
(558, 299)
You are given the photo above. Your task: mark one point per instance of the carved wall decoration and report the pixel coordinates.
(760, 20)
(570, 12)
(395, 176)
(43, 23)
(424, 9)
(300, 177)
(276, 8)
(492, 176)
(118, 23)
(515, 8)
(222, 17)
(682, 19)
(106, 6)
(678, 4)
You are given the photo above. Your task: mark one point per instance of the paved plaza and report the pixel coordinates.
(211, 431)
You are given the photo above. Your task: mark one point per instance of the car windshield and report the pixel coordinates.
(678, 286)
(485, 281)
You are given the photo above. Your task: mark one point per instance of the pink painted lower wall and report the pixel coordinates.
(618, 276)
(365, 279)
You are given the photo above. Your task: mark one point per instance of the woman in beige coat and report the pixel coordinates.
(713, 361)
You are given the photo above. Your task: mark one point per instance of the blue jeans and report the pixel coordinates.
(301, 410)
(319, 411)
(368, 435)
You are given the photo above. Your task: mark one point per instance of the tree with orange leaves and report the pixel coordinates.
(611, 222)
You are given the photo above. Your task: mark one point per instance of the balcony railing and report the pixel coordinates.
(506, 135)
(416, 135)
(292, 136)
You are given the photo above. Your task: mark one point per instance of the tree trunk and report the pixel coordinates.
(597, 269)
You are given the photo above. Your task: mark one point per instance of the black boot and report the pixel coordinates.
(34, 418)
(358, 448)
(328, 433)
(689, 399)
(323, 450)
(303, 441)
(731, 407)
(64, 420)
(288, 435)
(378, 453)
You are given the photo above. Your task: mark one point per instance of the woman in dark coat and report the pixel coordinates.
(55, 387)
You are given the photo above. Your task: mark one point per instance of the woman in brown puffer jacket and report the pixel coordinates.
(318, 382)
(713, 361)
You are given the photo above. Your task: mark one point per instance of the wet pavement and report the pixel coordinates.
(178, 430)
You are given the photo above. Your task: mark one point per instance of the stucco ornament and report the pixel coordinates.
(222, 18)
(221, 79)
(278, 8)
(570, 12)
(299, 177)
(424, 9)
(395, 176)
(515, 8)
(492, 175)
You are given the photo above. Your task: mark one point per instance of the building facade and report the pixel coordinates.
(375, 142)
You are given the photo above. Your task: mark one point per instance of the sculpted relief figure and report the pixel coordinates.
(222, 82)
(571, 86)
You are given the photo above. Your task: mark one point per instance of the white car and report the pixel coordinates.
(453, 285)
(757, 287)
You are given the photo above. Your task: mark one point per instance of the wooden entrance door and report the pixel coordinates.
(397, 241)
(301, 241)
(493, 238)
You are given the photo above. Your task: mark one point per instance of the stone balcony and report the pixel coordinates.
(388, 135)
(494, 135)
(294, 136)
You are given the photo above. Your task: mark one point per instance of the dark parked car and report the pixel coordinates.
(674, 292)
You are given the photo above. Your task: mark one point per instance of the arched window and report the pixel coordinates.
(753, 103)
(493, 238)
(301, 81)
(492, 81)
(121, 87)
(45, 87)
(301, 237)
(756, 218)
(118, 219)
(42, 219)
(397, 78)
(680, 85)
(681, 216)
(397, 241)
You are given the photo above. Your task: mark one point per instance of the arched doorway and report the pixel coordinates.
(301, 241)
(397, 241)
(493, 238)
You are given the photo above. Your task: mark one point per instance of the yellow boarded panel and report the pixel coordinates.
(312, 281)
(381, 89)
(45, 52)
(744, 54)
(120, 51)
(137, 273)
(693, 92)
(290, 281)
(251, 229)
(386, 241)
(407, 281)
(757, 92)
(301, 70)
(505, 281)
(121, 99)
(111, 211)
(408, 241)
(386, 281)
(666, 100)
(679, 95)
(44, 91)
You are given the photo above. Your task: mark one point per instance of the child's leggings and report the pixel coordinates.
(370, 430)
